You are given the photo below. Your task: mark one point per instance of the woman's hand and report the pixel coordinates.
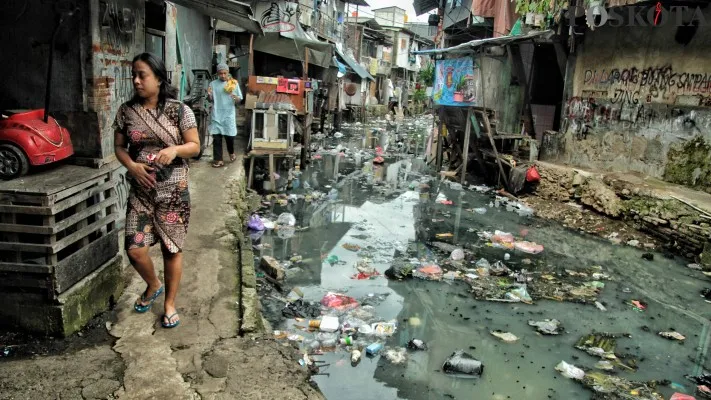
(143, 174)
(166, 156)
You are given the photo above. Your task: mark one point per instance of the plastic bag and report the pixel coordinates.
(338, 301)
(268, 224)
(519, 294)
(457, 254)
(396, 356)
(499, 269)
(286, 219)
(570, 370)
(507, 337)
(528, 247)
(483, 263)
(255, 223)
(417, 344)
(547, 326)
(461, 363)
(429, 272)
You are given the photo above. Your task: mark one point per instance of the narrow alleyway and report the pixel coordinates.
(202, 358)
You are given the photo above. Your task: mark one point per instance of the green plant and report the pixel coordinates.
(462, 84)
(426, 74)
(522, 7)
(419, 96)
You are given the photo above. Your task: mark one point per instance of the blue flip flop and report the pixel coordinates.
(143, 308)
(168, 317)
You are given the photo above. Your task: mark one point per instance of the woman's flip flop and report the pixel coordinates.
(143, 308)
(169, 324)
(219, 164)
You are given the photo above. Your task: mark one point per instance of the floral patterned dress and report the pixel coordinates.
(163, 212)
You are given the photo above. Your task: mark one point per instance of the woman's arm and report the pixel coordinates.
(140, 171)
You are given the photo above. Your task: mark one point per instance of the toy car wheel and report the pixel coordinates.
(13, 162)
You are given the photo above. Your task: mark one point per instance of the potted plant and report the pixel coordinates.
(540, 13)
(459, 92)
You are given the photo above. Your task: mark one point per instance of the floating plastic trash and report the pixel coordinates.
(570, 370)
(462, 364)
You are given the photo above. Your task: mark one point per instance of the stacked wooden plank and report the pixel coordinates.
(58, 236)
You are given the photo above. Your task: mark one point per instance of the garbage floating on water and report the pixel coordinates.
(507, 337)
(638, 305)
(351, 247)
(416, 344)
(373, 349)
(672, 335)
(286, 219)
(570, 371)
(428, 272)
(396, 356)
(338, 301)
(462, 364)
(547, 326)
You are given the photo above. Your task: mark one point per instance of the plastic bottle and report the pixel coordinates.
(348, 340)
(373, 349)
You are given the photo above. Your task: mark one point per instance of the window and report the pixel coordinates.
(155, 29)
(403, 44)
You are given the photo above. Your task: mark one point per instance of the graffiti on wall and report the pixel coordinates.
(119, 22)
(280, 17)
(650, 85)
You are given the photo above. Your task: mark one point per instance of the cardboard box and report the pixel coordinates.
(250, 102)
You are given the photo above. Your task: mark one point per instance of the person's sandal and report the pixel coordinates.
(169, 324)
(141, 308)
(233, 157)
(218, 164)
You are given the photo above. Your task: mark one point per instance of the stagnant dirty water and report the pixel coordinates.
(375, 207)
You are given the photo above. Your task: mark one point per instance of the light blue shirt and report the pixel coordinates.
(224, 111)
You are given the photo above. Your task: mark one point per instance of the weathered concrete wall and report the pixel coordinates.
(641, 101)
(117, 35)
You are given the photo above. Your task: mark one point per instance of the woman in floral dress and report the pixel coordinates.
(154, 136)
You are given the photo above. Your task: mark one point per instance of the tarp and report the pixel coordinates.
(355, 66)
(293, 45)
(496, 41)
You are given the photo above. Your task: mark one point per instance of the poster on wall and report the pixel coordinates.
(456, 83)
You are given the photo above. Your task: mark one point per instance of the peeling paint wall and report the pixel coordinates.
(638, 97)
(117, 36)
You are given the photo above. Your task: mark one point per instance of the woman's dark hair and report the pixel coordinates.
(167, 91)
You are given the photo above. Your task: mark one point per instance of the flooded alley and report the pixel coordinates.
(397, 254)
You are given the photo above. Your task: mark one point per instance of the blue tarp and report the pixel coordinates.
(357, 68)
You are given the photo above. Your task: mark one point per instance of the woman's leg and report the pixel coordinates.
(231, 147)
(217, 149)
(143, 264)
(173, 271)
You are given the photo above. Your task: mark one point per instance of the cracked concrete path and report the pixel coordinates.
(203, 358)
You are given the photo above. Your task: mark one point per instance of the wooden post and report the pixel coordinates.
(465, 153)
(272, 180)
(251, 172)
(487, 125)
(250, 66)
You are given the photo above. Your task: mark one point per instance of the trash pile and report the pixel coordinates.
(341, 323)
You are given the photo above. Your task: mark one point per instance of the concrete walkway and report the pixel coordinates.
(203, 358)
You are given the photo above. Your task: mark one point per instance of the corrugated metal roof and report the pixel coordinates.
(232, 11)
(424, 6)
(501, 40)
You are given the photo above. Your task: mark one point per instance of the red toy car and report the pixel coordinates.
(25, 139)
